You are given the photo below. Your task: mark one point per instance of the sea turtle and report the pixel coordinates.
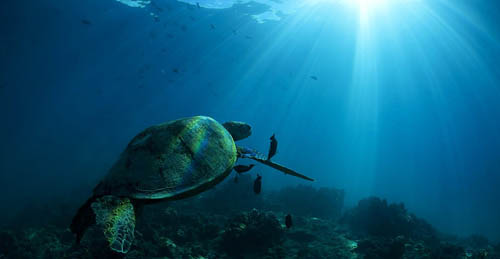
(169, 161)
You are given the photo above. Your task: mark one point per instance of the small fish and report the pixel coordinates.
(273, 147)
(288, 221)
(86, 22)
(198, 5)
(175, 70)
(314, 78)
(243, 168)
(257, 184)
(212, 26)
(248, 37)
(158, 8)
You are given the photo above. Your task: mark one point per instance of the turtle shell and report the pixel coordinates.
(172, 160)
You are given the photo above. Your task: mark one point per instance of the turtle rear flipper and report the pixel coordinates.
(116, 217)
(83, 219)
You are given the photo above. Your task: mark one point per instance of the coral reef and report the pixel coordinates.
(41, 242)
(251, 233)
(7, 242)
(252, 227)
(390, 248)
(375, 216)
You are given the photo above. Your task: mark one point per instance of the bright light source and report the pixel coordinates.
(366, 4)
(370, 4)
(369, 7)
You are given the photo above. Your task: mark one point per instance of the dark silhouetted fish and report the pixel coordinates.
(175, 70)
(198, 5)
(157, 7)
(257, 184)
(236, 179)
(273, 147)
(86, 22)
(314, 78)
(288, 221)
(212, 26)
(243, 168)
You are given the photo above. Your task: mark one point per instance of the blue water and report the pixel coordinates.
(399, 100)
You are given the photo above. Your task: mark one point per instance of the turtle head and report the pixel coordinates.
(239, 130)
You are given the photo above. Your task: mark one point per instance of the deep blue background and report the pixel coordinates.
(406, 107)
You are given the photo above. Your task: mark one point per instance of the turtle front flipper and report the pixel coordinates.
(282, 168)
(115, 215)
(245, 152)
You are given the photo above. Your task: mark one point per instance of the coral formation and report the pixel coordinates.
(252, 232)
(374, 216)
(383, 248)
(201, 228)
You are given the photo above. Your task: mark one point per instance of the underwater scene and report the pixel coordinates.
(217, 129)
